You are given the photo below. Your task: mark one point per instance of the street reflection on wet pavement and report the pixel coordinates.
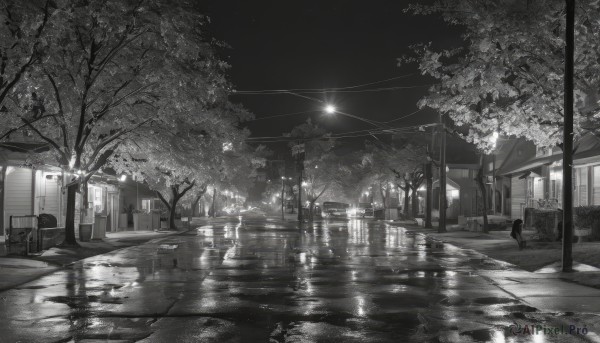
(257, 280)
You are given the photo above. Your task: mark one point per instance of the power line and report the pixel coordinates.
(352, 134)
(330, 91)
(324, 89)
(373, 122)
(406, 116)
(281, 115)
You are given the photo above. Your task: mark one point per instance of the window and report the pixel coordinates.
(95, 198)
(596, 185)
(146, 205)
(581, 186)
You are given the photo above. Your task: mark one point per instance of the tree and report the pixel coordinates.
(323, 171)
(410, 183)
(189, 158)
(378, 163)
(325, 180)
(385, 165)
(508, 75)
(114, 70)
(23, 43)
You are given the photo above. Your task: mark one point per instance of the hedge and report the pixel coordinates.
(588, 217)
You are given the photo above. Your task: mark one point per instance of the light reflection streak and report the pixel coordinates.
(539, 338)
(360, 306)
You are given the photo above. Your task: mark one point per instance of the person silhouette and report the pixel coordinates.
(516, 233)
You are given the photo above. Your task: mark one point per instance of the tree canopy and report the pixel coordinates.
(507, 76)
(96, 80)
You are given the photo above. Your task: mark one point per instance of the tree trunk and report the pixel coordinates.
(213, 202)
(415, 202)
(406, 198)
(195, 207)
(428, 199)
(382, 196)
(293, 196)
(70, 216)
(172, 210)
(481, 184)
(311, 210)
(195, 210)
(85, 195)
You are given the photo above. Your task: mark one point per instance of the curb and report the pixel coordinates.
(62, 267)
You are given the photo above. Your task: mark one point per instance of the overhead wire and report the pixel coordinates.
(405, 116)
(351, 134)
(280, 115)
(286, 91)
(325, 89)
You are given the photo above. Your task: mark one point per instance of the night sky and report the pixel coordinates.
(325, 44)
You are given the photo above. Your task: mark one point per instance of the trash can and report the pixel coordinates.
(22, 235)
(99, 231)
(18, 239)
(85, 231)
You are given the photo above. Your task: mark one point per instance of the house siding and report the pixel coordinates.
(18, 193)
(50, 197)
(518, 197)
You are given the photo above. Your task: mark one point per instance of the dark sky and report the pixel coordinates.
(323, 44)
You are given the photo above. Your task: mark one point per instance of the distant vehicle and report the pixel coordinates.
(331, 209)
(365, 209)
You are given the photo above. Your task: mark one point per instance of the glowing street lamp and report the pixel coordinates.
(330, 109)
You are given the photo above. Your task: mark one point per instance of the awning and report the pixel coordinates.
(578, 159)
(532, 164)
(25, 147)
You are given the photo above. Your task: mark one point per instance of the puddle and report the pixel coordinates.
(480, 335)
(167, 248)
(32, 287)
(519, 308)
(83, 301)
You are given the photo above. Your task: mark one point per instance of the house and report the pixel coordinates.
(536, 175)
(34, 189)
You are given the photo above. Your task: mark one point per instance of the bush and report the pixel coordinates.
(588, 217)
(544, 221)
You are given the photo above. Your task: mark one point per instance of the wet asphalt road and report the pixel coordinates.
(264, 281)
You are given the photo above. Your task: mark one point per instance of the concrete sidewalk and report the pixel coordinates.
(544, 286)
(16, 270)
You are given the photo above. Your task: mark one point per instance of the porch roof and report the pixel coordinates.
(450, 184)
(588, 151)
(583, 157)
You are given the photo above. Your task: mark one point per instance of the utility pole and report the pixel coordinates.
(493, 184)
(282, 194)
(567, 251)
(213, 202)
(443, 205)
(300, 214)
(429, 191)
(298, 152)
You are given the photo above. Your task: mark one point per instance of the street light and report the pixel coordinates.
(331, 109)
